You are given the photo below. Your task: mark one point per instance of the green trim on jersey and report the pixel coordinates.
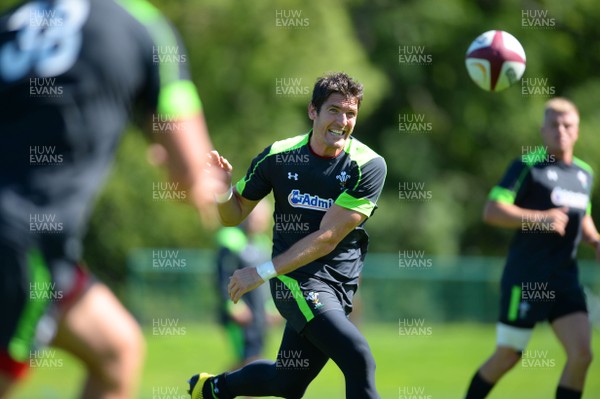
(360, 205)
(232, 238)
(289, 144)
(294, 287)
(359, 152)
(276, 148)
(240, 186)
(39, 296)
(177, 98)
(515, 301)
(140, 9)
(505, 195)
(583, 165)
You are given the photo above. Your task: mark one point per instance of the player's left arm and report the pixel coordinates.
(337, 223)
(590, 234)
(168, 99)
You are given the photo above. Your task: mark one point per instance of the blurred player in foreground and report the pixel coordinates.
(245, 322)
(546, 197)
(326, 185)
(71, 72)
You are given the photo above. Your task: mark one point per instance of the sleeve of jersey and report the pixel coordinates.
(257, 182)
(506, 190)
(170, 91)
(363, 196)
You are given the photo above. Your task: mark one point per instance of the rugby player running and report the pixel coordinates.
(546, 197)
(330, 182)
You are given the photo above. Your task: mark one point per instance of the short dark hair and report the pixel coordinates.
(339, 83)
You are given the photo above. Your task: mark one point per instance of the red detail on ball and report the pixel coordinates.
(497, 54)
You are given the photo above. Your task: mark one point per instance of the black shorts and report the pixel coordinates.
(35, 289)
(527, 303)
(300, 301)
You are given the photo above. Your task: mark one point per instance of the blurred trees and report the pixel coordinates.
(255, 76)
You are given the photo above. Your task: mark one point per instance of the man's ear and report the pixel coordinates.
(312, 112)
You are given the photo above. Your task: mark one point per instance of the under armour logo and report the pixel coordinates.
(552, 175)
(292, 176)
(523, 309)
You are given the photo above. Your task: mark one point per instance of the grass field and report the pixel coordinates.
(434, 366)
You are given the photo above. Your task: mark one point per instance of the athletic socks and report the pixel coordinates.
(567, 393)
(479, 388)
(215, 388)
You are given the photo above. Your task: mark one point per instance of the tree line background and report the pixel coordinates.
(253, 62)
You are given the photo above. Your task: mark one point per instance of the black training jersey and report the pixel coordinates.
(71, 72)
(538, 181)
(305, 186)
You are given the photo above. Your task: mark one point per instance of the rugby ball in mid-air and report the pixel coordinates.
(495, 60)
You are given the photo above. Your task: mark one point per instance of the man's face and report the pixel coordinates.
(333, 124)
(560, 131)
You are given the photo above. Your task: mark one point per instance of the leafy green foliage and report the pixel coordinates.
(239, 51)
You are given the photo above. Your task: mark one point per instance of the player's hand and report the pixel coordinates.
(558, 219)
(217, 164)
(242, 281)
(215, 179)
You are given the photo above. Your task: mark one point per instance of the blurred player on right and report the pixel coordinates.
(546, 197)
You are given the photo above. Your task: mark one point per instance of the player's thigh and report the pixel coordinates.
(5, 385)
(574, 332)
(98, 330)
(299, 357)
(336, 336)
(570, 321)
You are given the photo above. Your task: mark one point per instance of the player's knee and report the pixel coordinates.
(581, 355)
(360, 361)
(506, 358)
(291, 384)
(131, 348)
(122, 360)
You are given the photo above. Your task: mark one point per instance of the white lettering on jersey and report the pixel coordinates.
(307, 201)
(48, 39)
(571, 199)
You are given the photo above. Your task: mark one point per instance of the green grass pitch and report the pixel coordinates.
(434, 366)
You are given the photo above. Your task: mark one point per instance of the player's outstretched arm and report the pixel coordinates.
(337, 223)
(511, 216)
(590, 234)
